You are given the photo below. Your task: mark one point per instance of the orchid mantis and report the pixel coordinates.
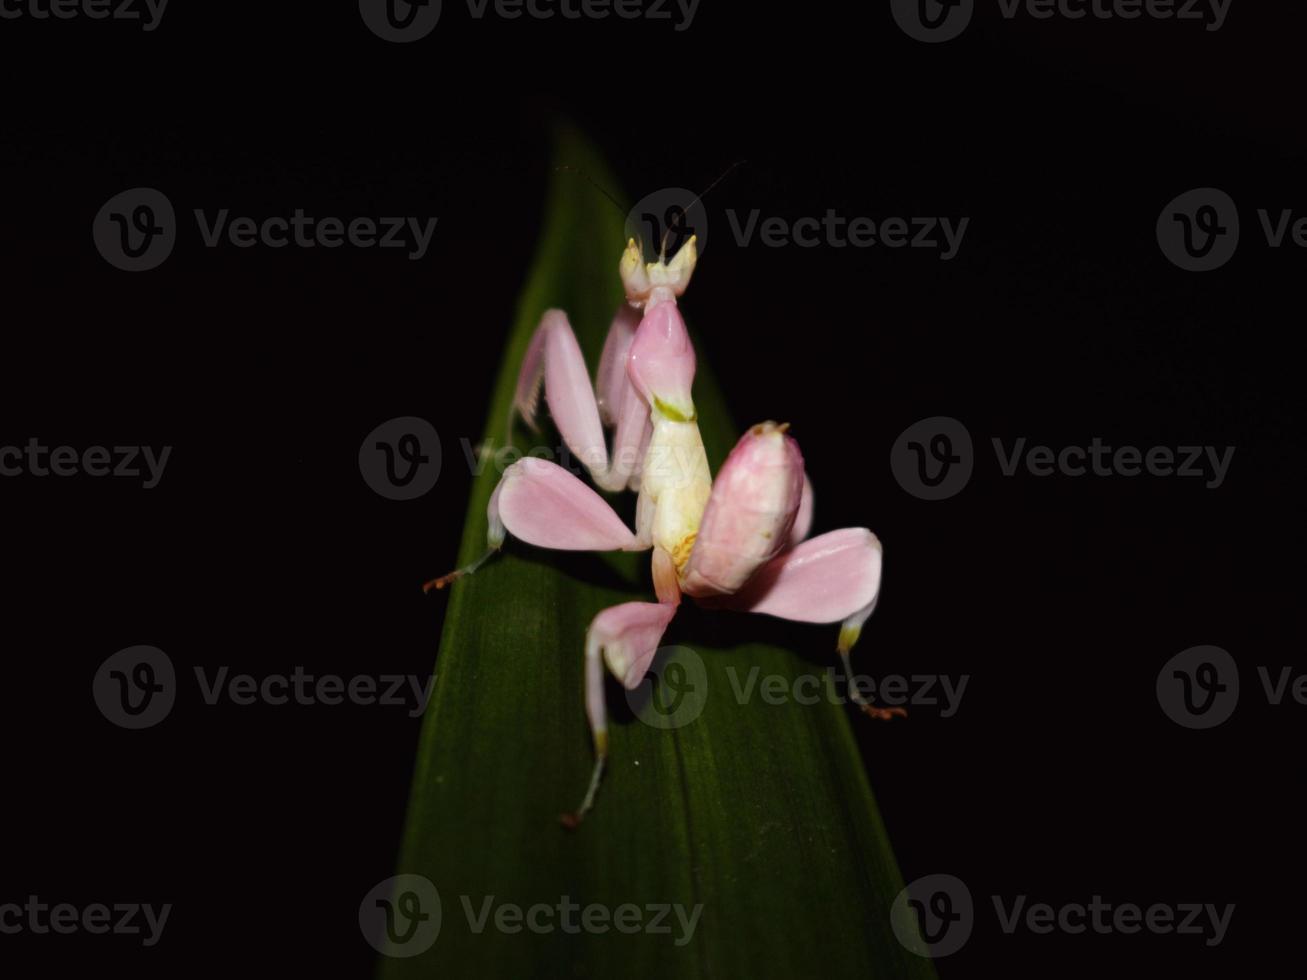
(740, 543)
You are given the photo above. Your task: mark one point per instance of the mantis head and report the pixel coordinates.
(647, 283)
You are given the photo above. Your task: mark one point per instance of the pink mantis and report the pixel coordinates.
(740, 543)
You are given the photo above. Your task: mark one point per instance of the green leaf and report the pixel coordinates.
(761, 813)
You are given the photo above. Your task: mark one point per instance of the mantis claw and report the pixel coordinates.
(883, 714)
(450, 578)
(439, 583)
(458, 573)
(572, 821)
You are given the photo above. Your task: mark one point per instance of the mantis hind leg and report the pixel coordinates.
(625, 637)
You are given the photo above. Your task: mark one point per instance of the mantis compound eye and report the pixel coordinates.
(635, 276)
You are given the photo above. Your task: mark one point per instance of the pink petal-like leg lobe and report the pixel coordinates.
(628, 635)
(625, 637)
(830, 578)
(751, 513)
(826, 579)
(543, 504)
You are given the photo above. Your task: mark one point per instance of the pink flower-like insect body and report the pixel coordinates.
(738, 543)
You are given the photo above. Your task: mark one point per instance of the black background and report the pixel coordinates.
(262, 549)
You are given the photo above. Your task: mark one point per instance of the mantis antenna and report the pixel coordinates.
(662, 249)
(601, 189)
